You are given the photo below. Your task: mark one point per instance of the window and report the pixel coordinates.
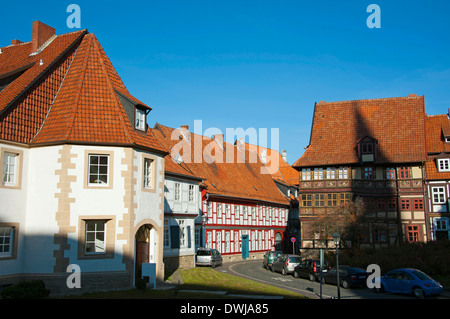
(318, 173)
(183, 235)
(227, 210)
(306, 174)
(191, 196)
(381, 204)
(9, 176)
(6, 241)
(391, 204)
(331, 173)
(140, 119)
(366, 148)
(368, 173)
(438, 195)
(332, 199)
(343, 172)
(98, 169)
(148, 173)
(405, 204)
(412, 232)
(444, 165)
(403, 172)
(319, 200)
(344, 198)
(390, 173)
(307, 200)
(380, 235)
(95, 237)
(166, 233)
(178, 192)
(418, 204)
(441, 228)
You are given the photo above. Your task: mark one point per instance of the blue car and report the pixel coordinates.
(410, 281)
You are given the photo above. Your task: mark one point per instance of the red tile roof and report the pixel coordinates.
(437, 127)
(275, 164)
(68, 94)
(227, 174)
(398, 124)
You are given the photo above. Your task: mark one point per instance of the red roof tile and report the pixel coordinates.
(398, 124)
(69, 93)
(436, 127)
(230, 173)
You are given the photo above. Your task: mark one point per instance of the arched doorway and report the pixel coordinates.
(145, 248)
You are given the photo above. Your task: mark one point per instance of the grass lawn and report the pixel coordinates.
(196, 282)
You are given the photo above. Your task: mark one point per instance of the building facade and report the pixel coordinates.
(371, 150)
(437, 180)
(82, 175)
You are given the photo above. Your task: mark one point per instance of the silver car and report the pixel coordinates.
(208, 257)
(286, 263)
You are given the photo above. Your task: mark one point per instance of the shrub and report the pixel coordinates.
(32, 289)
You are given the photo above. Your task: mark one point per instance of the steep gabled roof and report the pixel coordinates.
(398, 124)
(437, 127)
(228, 173)
(69, 93)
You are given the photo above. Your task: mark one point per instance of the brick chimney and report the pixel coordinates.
(15, 42)
(41, 33)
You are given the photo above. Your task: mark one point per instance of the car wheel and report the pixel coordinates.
(213, 265)
(296, 275)
(345, 284)
(271, 269)
(283, 271)
(312, 277)
(418, 292)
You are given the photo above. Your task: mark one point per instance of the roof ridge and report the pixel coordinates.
(112, 88)
(57, 93)
(80, 87)
(372, 100)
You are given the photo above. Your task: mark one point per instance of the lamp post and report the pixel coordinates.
(337, 238)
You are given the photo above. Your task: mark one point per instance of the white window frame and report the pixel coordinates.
(99, 243)
(166, 233)
(443, 164)
(98, 174)
(306, 174)
(148, 173)
(191, 193)
(177, 192)
(6, 241)
(10, 169)
(438, 195)
(140, 119)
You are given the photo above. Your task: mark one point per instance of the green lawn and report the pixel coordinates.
(198, 281)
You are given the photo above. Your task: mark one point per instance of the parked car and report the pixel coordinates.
(348, 276)
(310, 268)
(286, 263)
(410, 281)
(269, 257)
(208, 257)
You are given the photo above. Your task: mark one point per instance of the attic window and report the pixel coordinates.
(443, 164)
(367, 149)
(7, 78)
(140, 119)
(447, 139)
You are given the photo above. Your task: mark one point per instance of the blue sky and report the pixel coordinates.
(255, 63)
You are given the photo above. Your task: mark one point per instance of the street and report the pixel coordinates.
(255, 271)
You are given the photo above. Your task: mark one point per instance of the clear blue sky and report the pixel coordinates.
(257, 63)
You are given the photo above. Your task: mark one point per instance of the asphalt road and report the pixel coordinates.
(254, 270)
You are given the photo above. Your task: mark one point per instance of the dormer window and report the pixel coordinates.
(443, 164)
(367, 149)
(140, 119)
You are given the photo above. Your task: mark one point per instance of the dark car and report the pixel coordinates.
(310, 268)
(348, 276)
(208, 257)
(286, 263)
(269, 257)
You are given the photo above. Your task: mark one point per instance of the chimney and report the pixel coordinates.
(15, 41)
(186, 127)
(284, 155)
(41, 33)
(412, 95)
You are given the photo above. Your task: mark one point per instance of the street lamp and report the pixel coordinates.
(337, 238)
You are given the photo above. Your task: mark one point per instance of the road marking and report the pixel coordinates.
(281, 279)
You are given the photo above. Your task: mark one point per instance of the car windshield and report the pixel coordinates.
(203, 253)
(421, 275)
(295, 259)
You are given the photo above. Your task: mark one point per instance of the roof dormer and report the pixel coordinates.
(367, 149)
